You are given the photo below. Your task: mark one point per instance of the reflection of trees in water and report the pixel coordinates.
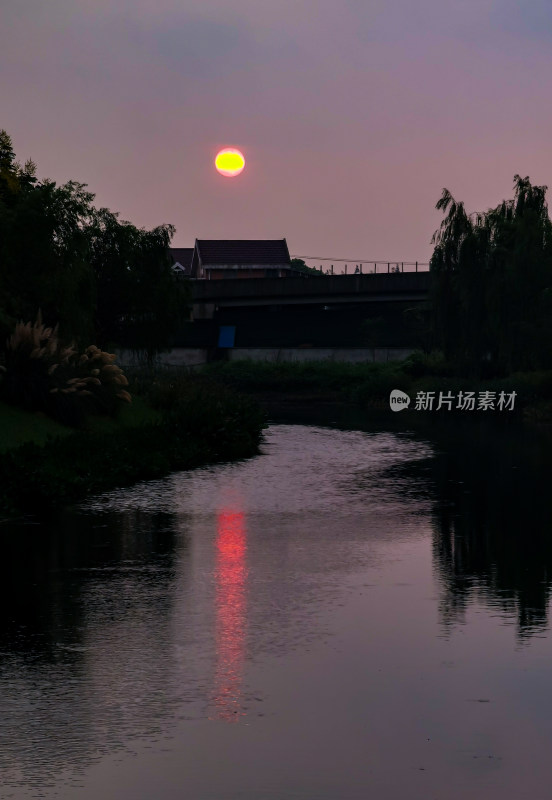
(492, 521)
(81, 598)
(45, 568)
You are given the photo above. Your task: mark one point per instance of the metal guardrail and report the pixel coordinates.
(364, 267)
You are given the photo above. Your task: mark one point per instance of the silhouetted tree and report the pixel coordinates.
(491, 293)
(140, 302)
(97, 277)
(299, 264)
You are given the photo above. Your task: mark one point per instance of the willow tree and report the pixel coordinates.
(491, 294)
(520, 300)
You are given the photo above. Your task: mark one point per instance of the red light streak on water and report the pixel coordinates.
(230, 609)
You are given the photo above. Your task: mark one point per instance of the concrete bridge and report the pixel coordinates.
(211, 297)
(342, 317)
(355, 318)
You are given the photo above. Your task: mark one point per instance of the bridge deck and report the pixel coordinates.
(327, 288)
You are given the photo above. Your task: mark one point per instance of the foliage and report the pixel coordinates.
(378, 386)
(37, 479)
(199, 424)
(197, 403)
(492, 287)
(99, 278)
(300, 265)
(13, 177)
(363, 383)
(18, 426)
(42, 374)
(43, 254)
(314, 376)
(369, 384)
(420, 363)
(140, 302)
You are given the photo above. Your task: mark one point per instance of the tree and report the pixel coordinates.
(140, 302)
(492, 273)
(96, 277)
(44, 258)
(300, 265)
(13, 177)
(521, 275)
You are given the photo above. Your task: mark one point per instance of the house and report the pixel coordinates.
(213, 259)
(182, 260)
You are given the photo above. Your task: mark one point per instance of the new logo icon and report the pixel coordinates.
(398, 400)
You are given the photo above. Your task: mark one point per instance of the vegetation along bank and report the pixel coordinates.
(71, 422)
(368, 385)
(68, 428)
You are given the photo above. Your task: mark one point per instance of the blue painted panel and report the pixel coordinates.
(227, 334)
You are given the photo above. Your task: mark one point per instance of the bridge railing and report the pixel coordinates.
(371, 267)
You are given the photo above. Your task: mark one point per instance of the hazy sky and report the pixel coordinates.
(352, 114)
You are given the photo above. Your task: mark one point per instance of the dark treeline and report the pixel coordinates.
(102, 279)
(492, 289)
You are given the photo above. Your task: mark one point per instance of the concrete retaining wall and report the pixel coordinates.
(177, 357)
(302, 354)
(189, 356)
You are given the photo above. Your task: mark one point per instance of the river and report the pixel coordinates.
(354, 613)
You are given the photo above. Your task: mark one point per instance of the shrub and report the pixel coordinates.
(419, 363)
(196, 404)
(196, 427)
(41, 374)
(334, 376)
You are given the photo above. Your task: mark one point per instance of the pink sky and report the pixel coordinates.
(352, 115)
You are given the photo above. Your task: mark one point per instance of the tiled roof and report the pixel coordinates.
(243, 251)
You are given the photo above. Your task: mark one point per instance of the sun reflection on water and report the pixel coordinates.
(230, 609)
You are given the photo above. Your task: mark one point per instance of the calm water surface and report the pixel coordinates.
(352, 614)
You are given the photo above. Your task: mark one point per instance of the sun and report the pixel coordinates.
(229, 162)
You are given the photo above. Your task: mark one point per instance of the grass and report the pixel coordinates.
(180, 423)
(313, 376)
(131, 415)
(369, 384)
(18, 427)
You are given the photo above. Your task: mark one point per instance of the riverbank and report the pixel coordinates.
(369, 385)
(174, 424)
